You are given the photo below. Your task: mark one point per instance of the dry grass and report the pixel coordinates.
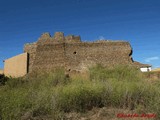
(53, 96)
(156, 70)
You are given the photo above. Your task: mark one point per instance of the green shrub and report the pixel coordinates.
(15, 82)
(13, 103)
(116, 73)
(3, 79)
(81, 96)
(50, 79)
(54, 94)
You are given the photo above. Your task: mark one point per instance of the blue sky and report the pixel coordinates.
(136, 21)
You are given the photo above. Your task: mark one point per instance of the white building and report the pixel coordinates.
(143, 67)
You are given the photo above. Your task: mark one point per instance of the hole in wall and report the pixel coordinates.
(69, 69)
(74, 52)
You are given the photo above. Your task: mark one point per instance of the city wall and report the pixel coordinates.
(71, 53)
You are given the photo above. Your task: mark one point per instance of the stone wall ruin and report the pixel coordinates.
(72, 54)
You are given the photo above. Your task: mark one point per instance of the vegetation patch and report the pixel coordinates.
(52, 95)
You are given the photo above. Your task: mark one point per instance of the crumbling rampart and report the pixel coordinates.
(31, 50)
(72, 54)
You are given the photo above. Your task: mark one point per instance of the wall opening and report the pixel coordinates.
(74, 52)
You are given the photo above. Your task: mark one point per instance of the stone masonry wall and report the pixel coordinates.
(49, 57)
(69, 52)
(80, 56)
(31, 50)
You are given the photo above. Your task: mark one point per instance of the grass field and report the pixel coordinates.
(53, 96)
(156, 70)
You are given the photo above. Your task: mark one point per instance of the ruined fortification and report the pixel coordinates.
(70, 53)
(74, 55)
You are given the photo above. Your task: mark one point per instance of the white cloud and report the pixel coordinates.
(151, 59)
(101, 38)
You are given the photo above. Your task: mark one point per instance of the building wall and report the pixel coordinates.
(16, 66)
(145, 69)
(1, 71)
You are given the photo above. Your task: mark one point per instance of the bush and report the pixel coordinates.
(3, 79)
(125, 73)
(16, 82)
(80, 97)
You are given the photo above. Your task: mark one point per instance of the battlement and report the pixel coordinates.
(58, 37)
(72, 39)
(45, 36)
